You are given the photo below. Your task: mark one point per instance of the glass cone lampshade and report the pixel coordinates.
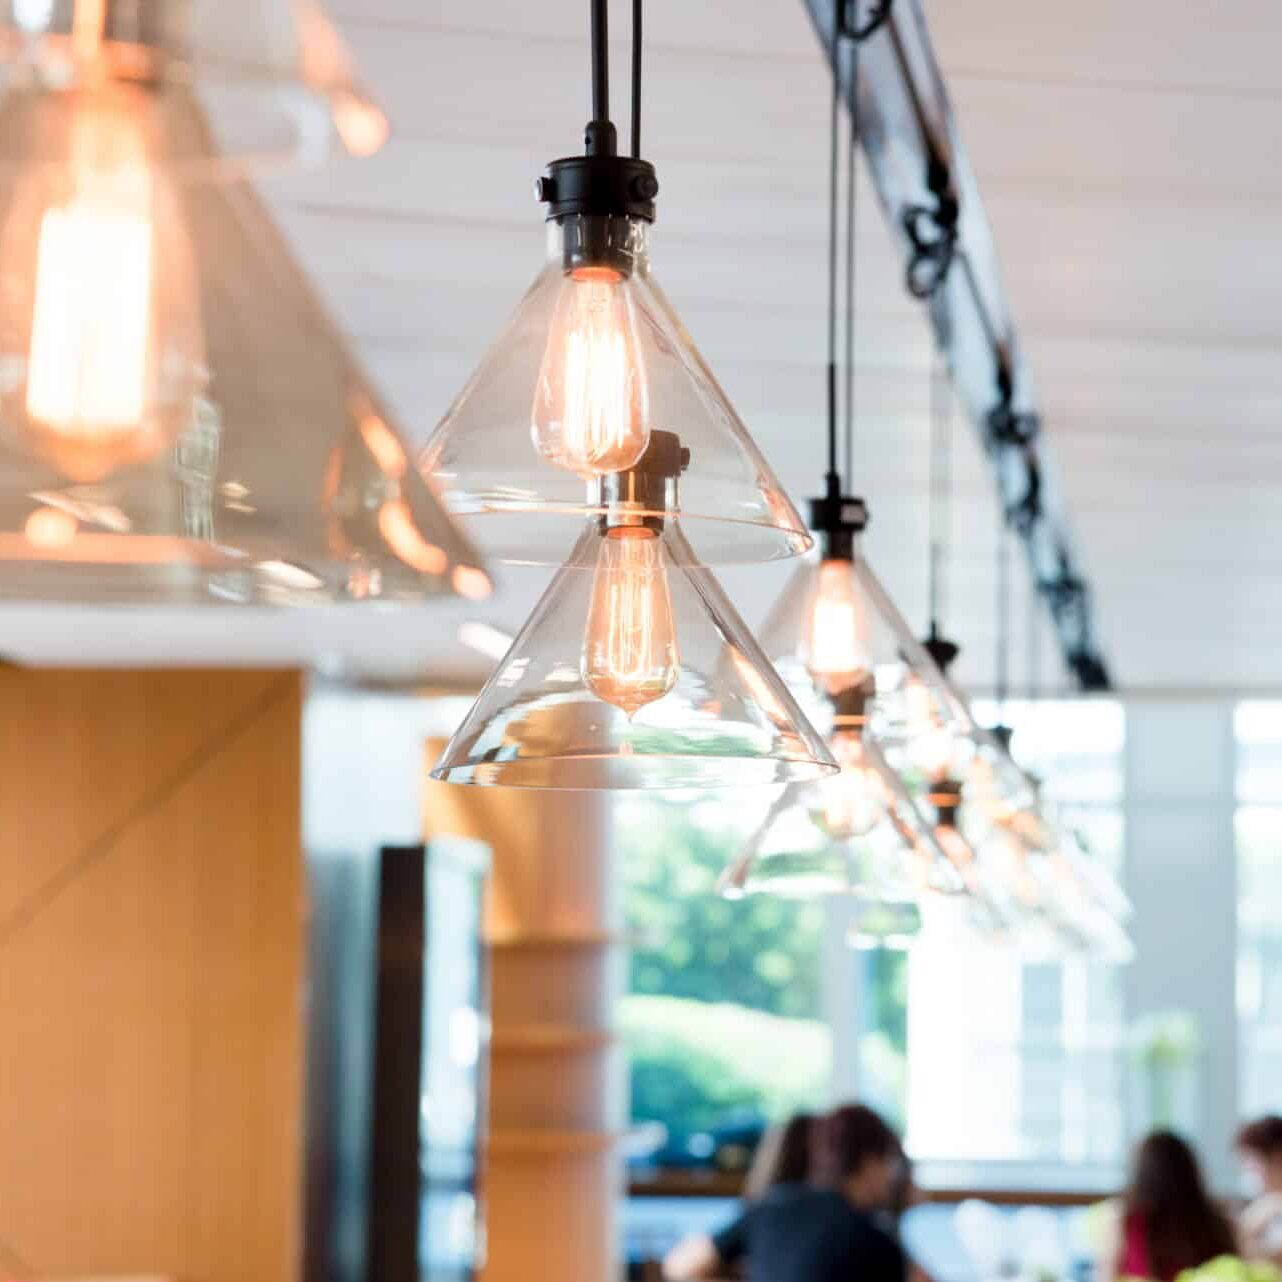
(180, 420)
(273, 75)
(591, 363)
(634, 671)
(835, 630)
(794, 853)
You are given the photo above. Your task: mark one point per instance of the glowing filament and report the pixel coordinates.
(629, 646)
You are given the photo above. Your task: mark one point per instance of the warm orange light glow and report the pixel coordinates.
(630, 653)
(836, 630)
(383, 444)
(101, 286)
(397, 526)
(591, 411)
(854, 800)
(50, 527)
(471, 583)
(360, 123)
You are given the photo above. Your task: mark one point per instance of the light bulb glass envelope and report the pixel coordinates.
(634, 671)
(274, 77)
(592, 361)
(180, 419)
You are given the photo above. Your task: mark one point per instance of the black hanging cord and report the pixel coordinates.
(852, 182)
(941, 486)
(600, 61)
(1001, 664)
(636, 79)
(834, 123)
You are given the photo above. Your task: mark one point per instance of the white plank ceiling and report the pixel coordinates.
(1128, 159)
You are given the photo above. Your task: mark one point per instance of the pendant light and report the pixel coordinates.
(593, 362)
(835, 634)
(793, 853)
(858, 833)
(180, 420)
(634, 670)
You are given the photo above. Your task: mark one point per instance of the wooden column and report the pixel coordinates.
(151, 974)
(551, 1181)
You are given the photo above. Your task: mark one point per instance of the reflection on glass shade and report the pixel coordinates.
(586, 365)
(543, 721)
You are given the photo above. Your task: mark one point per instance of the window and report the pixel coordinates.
(722, 1021)
(1024, 1063)
(1258, 832)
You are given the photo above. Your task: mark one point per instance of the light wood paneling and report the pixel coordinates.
(150, 973)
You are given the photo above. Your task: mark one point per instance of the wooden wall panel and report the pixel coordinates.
(151, 974)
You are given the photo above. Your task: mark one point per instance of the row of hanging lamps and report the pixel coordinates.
(180, 419)
(593, 437)
(858, 834)
(1088, 896)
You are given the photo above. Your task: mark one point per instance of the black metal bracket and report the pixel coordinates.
(932, 233)
(850, 28)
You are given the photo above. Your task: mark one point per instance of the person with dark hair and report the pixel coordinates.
(782, 1157)
(821, 1231)
(1170, 1222)
(1259, 1145)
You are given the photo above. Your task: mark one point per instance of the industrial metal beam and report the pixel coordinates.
(931, 199)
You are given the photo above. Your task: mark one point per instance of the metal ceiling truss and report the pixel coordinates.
(930, 196)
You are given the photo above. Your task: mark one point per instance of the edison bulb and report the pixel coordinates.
(836, 630)
(101, 345)
(591, 411)
(853, 801)
(630, 653)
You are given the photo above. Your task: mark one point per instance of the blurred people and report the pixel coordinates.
(822, 1231)
(782, 1157)
(1259, 1145)
(1169, 1221)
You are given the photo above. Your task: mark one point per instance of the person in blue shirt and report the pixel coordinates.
(821, 1230)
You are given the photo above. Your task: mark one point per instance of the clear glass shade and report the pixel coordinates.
(592, 361)
(634, 671)
(835, 628)
(274, 76)
(180, 419)
(798, 852)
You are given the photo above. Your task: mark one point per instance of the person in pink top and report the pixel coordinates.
(1170, 1222)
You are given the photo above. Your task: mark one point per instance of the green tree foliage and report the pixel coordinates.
(757, 952)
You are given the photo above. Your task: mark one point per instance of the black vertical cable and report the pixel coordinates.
(940, 485)
(600, 60)
(833, 172)
(852, 179)
(636, 79)
(1001, 662)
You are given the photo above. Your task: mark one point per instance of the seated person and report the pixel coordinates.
(819, 1232)
(1169, 1221)
(1259, 1144)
